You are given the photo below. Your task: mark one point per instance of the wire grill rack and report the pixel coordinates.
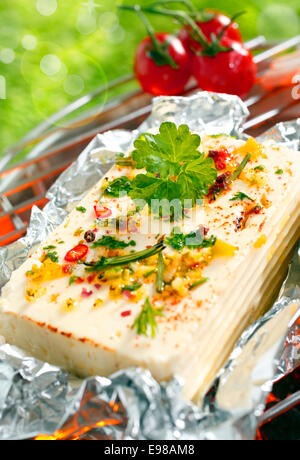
(55, 144)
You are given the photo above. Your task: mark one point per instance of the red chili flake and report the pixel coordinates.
(256, 210)
(91, 278)
(79, 280)
(220, 157)
(128, 294)
(98, 286)
(86, 293)
(66, 268)
(126, 313)
(219, 185)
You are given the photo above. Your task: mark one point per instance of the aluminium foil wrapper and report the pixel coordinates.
(43, 401)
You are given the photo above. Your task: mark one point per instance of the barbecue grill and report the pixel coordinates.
(55, 143)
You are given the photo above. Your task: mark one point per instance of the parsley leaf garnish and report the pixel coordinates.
(175, 167)
(146, 319)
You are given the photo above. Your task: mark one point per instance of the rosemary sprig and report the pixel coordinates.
(159, 282)
(239, 169)
(146, 319)
(109, 262)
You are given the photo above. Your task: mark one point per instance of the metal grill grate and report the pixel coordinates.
(55, 145)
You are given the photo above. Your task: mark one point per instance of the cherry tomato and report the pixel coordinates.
(162, 79)
(77, 253)
(213, 25)
(102, 212)
(231, 72)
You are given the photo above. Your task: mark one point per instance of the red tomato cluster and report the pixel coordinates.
(226, 66)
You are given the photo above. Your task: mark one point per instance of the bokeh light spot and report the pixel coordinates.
(46, 7)
(116, 36)
(29, 42)
(108, 21)
(50, 64)
(73, 85)
(86, 23)
(7, 55)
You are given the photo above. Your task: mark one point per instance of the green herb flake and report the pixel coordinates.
(48, 248)
(241, 196)
(216, 136)
(119, 186)
(52, 256)
(81, 209)
(73, 279)
(192, 240)
(112, 243)
(146, 319)
(149, 273)
(159, 282)
(259, 168)
(132, 287)
(279, 171)
(198, 283)
(240, 168)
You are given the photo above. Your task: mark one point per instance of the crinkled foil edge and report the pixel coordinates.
(37, 399)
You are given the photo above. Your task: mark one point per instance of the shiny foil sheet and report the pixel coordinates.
(38, 400)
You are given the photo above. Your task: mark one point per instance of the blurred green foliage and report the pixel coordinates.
(53, 51)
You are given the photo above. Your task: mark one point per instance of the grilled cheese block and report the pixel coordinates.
(179, 307)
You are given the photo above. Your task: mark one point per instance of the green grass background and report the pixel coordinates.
(94, 44)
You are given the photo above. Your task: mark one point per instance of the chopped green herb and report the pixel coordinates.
(279, 171)
(131, 287)
(121, 160)
(146, 319)
(81, 209)
(259, 168)
(109, 262)
(119, 186)
(239, 169)
(61, 242)
(198, 283)
(52, 256)
(159, 283)
(241, 196)
(48, 248)
(73, 279)
(192, 240)
(215, 136)
(112, 243)
(149, 273)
